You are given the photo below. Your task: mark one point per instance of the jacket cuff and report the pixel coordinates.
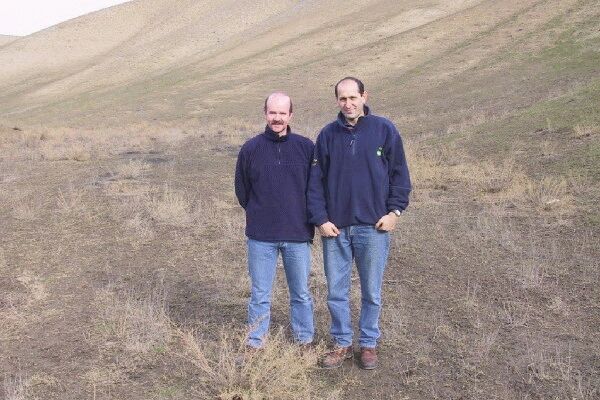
(319, 221)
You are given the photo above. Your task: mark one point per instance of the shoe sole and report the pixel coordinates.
(368, 367)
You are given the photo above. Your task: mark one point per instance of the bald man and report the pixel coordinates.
(271, 181)
(358, 189)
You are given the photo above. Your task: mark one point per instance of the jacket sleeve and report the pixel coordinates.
(399, 176)
(316, 202)
(242, 180)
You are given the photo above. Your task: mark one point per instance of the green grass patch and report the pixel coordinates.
(552, 123)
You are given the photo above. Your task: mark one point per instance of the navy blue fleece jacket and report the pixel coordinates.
(271, 181)
(359, 173)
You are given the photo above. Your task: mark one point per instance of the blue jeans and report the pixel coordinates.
(370, 248)
(262, 263)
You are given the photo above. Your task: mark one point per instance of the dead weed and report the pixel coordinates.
(230, 370)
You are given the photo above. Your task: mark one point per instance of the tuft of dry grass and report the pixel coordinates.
(35, 287)
(583, 131)
(548, 194)
(140, 322)
(3, 262)
(532, 274)
(140, 229)
(515, 313)
(102, 379)
(484, 344)
(170, 207)
(24, 211)
(70, 201)
(15, 388)
(506, 182)
(550, 366)
(230, 370)
(133, 169)
(59, 152)
(40, 143)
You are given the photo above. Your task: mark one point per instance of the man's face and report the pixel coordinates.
(278, 113)
(350, 101)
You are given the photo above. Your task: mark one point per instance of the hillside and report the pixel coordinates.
(166, 52)
(122, 252)
(6, 39)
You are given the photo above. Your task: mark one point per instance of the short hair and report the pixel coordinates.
(361, 86)
(281, 93)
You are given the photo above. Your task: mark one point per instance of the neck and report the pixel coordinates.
(352, 121)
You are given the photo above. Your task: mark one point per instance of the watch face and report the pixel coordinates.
(397, 212)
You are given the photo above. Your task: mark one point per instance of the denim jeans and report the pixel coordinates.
(370, 248)
(262, 263)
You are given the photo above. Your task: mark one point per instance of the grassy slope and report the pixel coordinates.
(198, 85)
(5, 39)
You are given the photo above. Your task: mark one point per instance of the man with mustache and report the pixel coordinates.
(359, 185)
(271, 180)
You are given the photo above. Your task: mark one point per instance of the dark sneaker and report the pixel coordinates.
(336, 357)
(368, 358)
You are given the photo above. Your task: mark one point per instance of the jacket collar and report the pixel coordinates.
(342, 120)
(274, 137)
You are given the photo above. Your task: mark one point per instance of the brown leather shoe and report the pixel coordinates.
(368, 358)
(335, 358)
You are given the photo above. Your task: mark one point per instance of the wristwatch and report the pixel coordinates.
(396, 212)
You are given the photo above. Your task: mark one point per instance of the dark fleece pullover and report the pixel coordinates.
(359, 173)
(271, 181)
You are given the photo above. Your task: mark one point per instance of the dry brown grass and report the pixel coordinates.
(505, 183)
(472, 119)
(133, 169)
(170, 207)
(3, 263)
(554, 365)
(16, 388)
(140, 229)
(25, 210)
(465, 251)
(492, 287)
(34, 285)
(549, 194)
(515, 313)
(39, 143)
(583, 131)
(138, 321)
(102, 380)
(70, 201)
(229, 370)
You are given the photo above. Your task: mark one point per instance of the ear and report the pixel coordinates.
(365, 95)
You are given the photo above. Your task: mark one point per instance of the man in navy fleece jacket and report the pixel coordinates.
(271, 181)
(359, 186)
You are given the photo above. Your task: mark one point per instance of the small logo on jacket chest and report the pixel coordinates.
(379, 151)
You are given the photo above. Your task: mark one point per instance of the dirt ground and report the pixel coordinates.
(490, 292)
